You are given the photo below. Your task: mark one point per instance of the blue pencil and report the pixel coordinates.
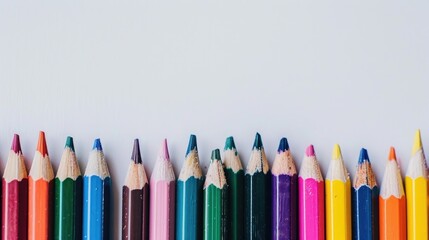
(189, 202)
(97, 197)
(365, 201)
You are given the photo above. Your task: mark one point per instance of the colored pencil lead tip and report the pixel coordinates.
(363, 156)
(136, 156)
(16, 144)
(229, 143)
(192, 144)
(310, 151)
(283, 145)
(336, 153)
(164, 151)
(417, 142)
(258, 142)
(216, 155)
(41, 145)
(392, 154)
(69, 143)
(97, 145)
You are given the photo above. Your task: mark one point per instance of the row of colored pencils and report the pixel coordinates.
(41, 206)
(230, 203)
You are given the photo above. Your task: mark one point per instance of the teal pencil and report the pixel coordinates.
(189, 193)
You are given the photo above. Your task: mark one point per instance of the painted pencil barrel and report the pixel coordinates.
(14, 209)
(338, 210)
(215, 227)
(417, 208)
(235, 195)
(365, 213)
(284, 207)
(393, 218)
(189, 214)
(257, 206)
(40, 209)
(311, 209)
(68, 209)
(97, 208)
(162, 210)
(135, 205)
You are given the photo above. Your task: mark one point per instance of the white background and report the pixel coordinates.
(318, 72)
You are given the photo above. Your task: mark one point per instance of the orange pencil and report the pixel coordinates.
(393, 217)
(40, 194)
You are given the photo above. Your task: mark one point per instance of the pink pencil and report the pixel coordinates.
(311, 190)
(162, 197)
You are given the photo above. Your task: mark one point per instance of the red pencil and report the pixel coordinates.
(15, 195)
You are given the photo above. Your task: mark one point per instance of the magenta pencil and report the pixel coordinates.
(162, 198)
(311, 198)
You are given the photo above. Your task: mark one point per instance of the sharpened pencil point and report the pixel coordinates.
(417, 142)
(164, 150)
(69, 143)
(392, 154)
(258, 142)
(283, 145)
(336, 153)
(216, 155)
(41, 145)
(363, 156)
(192, 145)
(97, 145)
(310, 151)
(136, 156)
(16, 144)
(229, 143)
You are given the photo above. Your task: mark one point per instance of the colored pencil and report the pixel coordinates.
(97, 196)
(257, 194)
(311, 198)
(393, 217)
(365, 200)
(40, 194)
(235, 178)
(284, 189)
(15, 194)
(215, 200)
(68, 196)
(189, 196)
(338, 199)
(135, 199)
(416, 187)
(162, 191)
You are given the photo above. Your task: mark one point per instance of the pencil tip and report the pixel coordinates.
(215, 155)
(69, 143)
(310, 151)
(97, 145)
(229, 143)
(283, 145)
(192, 145)
(136, 156)
(363, 156)
(258, 142)
(41, 145)
(336, 153)
(417, 142)
(16, 144)
(392, 154)
(164, 150)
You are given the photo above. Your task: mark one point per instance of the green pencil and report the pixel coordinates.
(68, 196)
(215, 200)
(257, 194)
(235, 179)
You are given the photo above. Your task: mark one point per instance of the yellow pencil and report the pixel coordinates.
(338, 201)
(416, 192)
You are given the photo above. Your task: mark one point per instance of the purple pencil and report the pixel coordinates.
(284, 186)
